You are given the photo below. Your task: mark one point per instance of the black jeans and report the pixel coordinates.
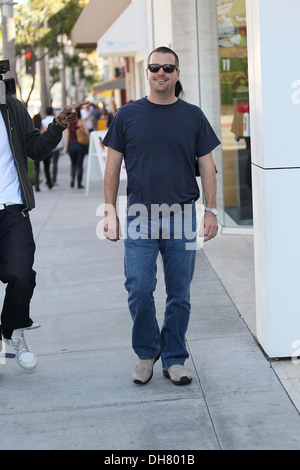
(17, 250)
(77, 153)
(54, 160)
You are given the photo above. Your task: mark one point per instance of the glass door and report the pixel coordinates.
(232, 37)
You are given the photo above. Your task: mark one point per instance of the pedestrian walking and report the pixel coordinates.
(88, 116)
(38, 124)
(76, 145)
(52, 160)
(96, 114)
(111, 113)
(20, 139)
(160, 137)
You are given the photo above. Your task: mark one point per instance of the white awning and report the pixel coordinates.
(128, 34)
(114, 84)
(96, 17)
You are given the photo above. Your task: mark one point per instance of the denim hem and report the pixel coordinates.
(155, 358)
(173, 364)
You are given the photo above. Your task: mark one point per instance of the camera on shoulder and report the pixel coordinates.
(9, 87)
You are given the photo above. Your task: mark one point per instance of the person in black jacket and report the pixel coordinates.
(20, 140)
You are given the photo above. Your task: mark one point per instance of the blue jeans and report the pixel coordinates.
(140, 272)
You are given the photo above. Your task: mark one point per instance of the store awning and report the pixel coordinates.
(104, 94)
(96, 17)
(114, 84)
(128, 34)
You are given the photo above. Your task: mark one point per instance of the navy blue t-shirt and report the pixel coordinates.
(159, 144)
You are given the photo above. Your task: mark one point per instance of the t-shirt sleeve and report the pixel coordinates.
(207, 139)
(114, 137)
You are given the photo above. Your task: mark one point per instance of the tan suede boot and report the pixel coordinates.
(178, 375)
(143, 371)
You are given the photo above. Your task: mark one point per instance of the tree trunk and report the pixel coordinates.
(62, 80)
(44, 80)
(8, 38)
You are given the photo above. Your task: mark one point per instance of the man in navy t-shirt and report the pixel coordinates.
(159, 137)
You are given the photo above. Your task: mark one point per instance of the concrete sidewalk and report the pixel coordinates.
(81, 395)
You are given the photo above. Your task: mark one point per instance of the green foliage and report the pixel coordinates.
(39, 22)
(31, 170)
(48, 24)
(63, 20)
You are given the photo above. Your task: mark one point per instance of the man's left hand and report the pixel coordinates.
(69, 114)
(209, 226)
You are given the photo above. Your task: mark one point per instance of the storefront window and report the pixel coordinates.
(236, 149)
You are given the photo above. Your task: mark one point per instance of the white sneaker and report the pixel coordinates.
(24, 356)
(34, 325)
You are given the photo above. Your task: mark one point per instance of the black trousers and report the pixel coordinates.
(17, 248)
(54, 161)
(77, 153)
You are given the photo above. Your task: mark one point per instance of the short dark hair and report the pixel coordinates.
(49, 110)
(37, 121)
(178, 89)
(165, 50)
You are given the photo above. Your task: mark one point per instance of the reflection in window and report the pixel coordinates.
(236, 149)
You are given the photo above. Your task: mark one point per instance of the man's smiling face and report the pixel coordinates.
(162, 82)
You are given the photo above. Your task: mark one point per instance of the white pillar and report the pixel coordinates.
(274, 78)
(8, 35)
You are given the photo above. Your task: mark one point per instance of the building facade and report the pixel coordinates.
(210, 40)
(221, 44)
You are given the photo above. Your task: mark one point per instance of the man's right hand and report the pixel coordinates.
(69, 114)
(111, 228)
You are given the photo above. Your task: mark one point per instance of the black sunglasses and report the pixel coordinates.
(168, 68)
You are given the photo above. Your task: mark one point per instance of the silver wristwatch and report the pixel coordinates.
(212, 210)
